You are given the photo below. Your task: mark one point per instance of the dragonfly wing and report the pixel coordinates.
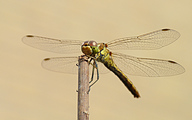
(61, 64)
(69, 65)
(152, 40)
(53, 45)
(102, 68)
(146, 66)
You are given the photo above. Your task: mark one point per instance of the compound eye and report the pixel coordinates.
(92, 43)
(86, 43)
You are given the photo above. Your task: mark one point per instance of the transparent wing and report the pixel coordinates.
(68, 65)
(146, 66)
(61, 64)
(152, 40)
(53, 45)
(102, 68)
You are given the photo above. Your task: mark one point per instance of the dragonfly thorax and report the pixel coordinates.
(90, 48)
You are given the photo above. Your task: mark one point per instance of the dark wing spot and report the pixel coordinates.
(29, 36)
(46, 59)
(165, 29)
(172, 62)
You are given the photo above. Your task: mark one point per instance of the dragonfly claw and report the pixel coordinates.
(88, 90)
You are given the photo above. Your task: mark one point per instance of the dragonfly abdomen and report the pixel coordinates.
(113, 67)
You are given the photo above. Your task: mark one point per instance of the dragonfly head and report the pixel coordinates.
(89, 48)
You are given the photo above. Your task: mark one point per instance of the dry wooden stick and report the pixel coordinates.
(83, 88)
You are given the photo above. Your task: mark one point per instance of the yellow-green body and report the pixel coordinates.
(105, 56)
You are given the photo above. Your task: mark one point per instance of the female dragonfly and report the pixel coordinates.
(118, 63)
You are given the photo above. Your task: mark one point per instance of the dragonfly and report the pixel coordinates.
(102, 56)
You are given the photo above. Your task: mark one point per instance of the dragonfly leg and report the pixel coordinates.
(90, 62)
(92, 75)
(96, 66)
